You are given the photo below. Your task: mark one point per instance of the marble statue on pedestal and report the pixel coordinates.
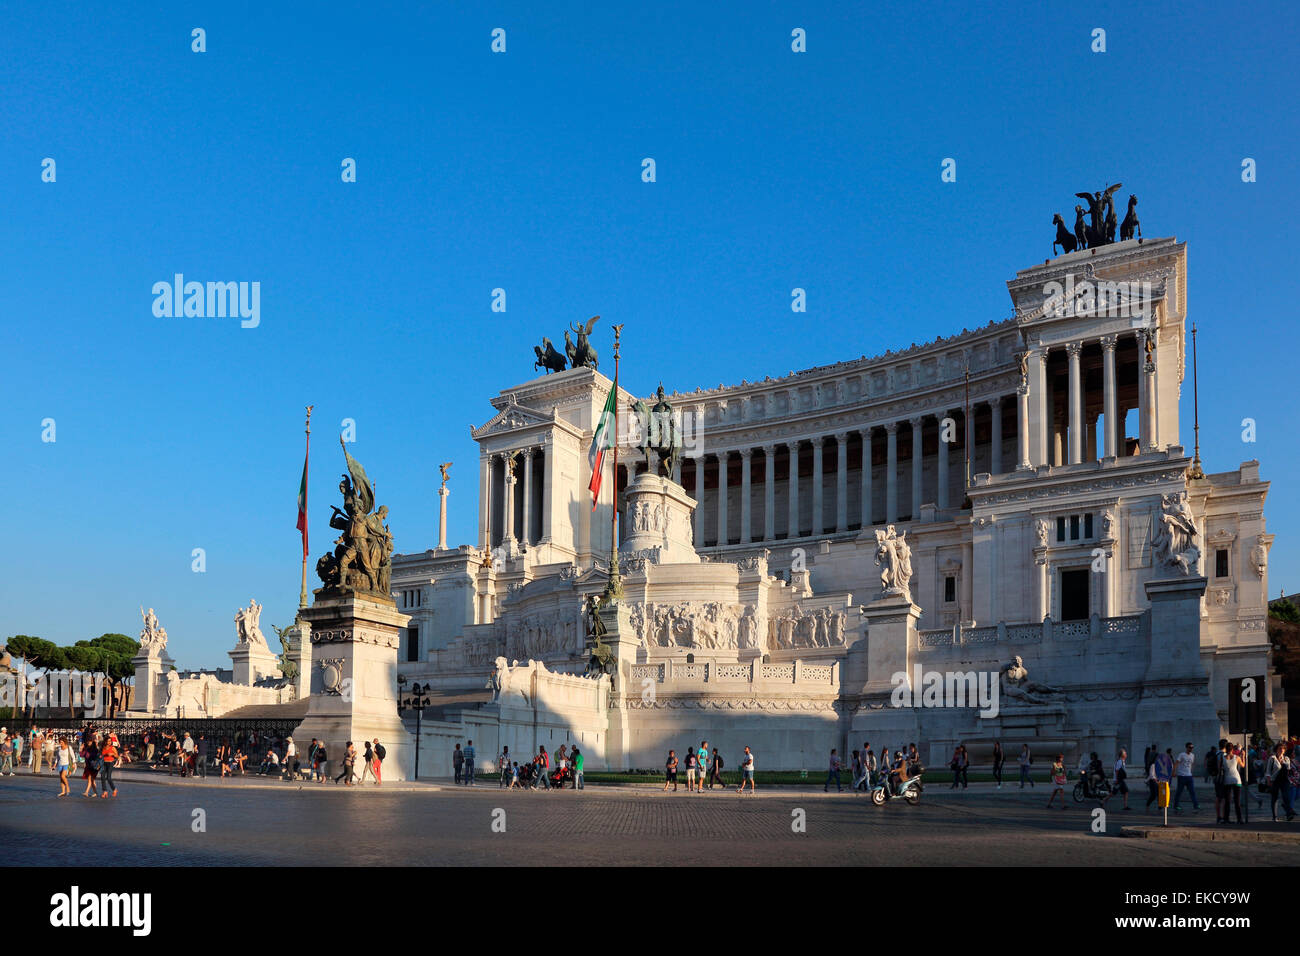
(894, 558)
(247, 624)
(1173, 537)
(152, 637)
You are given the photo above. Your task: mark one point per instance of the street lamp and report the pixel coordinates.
(417, 700)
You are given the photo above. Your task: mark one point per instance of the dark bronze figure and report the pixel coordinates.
(1063, 237)
(547, 357)
(1130, 226)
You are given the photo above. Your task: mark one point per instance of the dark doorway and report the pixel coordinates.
(1074, 595)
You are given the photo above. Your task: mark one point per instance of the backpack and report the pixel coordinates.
(380, 752)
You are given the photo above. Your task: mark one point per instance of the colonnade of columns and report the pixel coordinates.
(796, 499)
(511, 487)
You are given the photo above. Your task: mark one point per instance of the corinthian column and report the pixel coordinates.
(841, 481)
(916, 468)
(1022, 425)
(1108, 393)
(941, 492)
(746, 454)
(526, 532)
(723, 458)
(792, 491)
(818, 502)
(865, 508)
(769, 492)
(995, 452)
(699, 502)
(1076, 403)
(891, 473)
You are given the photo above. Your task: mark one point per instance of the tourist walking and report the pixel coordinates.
(833, 773)
(578, 761)
(1185, 771)
(1277, 778)
(6, 754)
(670, 771)
(18, 753)
(542, 765)
(715, 770)
(38, 752)
(746, 772)
(1026, 761)
(349, 761)
(1214, 763)
(1234, 769)
(503, 766)
(201, 754)
(999, 758)
(107, 760)
(91, 764)
(458, 763)
(692, 774)
(368, 763)
(468, 773)
(869, 767)
(290, 758)
(701, 763)
(1058, 781)
(1121, 775)
(62, 763)
(378, 768)
(961, 759)
(855, 767)
(1153, 786)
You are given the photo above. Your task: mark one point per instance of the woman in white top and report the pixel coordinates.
(62, 761)
(1234, 764)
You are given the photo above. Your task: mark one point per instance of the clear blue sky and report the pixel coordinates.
(523, 171)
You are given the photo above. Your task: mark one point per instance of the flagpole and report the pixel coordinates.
(614, 590)
(302, 597)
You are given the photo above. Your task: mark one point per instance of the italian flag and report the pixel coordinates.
(604, 438)
(302, 501)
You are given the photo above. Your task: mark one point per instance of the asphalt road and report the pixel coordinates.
(154, 824)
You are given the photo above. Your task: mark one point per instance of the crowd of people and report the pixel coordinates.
(540, 771)
(98, 753)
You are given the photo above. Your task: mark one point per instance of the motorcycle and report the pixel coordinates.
(1082, 791)
(910, 790)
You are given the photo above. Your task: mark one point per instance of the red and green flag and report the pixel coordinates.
(602, 440)
(302, 499)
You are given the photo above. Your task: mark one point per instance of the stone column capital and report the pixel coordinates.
(1073, 349)
(891, 427)
(818, 441)
(1108, 342)
(841, 437)
(995, 402)
(769, 449)
(746, 453)
(917, 421)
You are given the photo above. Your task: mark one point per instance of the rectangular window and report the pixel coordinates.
(950, 589)
(1087, 525)
(1060, 529)
(1221, 563)
(412, 644)
(1074, 527)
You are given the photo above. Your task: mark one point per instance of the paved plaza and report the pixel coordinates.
(149, 824)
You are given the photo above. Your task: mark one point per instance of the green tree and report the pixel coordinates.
(37, 652)
(1281, 610)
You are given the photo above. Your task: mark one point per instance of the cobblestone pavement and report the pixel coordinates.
(149, 824)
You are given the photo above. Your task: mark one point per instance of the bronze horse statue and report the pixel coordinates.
(1063, 237)
(1130, 225)
(547, 357)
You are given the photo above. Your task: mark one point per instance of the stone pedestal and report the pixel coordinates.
(354, 641)
(620, 637)
(151, 669)
(442, 518)
(888, 649)
(1176, 705)
(252, 662)
(659, 517)
(298, 638)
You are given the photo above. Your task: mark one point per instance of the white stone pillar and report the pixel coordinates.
(508, 513)
(769, 492)
(1147, 380)
(818, 501)
(488, 502)
(746, 509)
(916, 467)
(1076, 403)
(699, 501)
(1108, 390)
(1022, 425)
(1144, 401)
(943, 479)
(723, 458)
(841, 481)
(526, 532)
(968, 426)
(1040, 446)
(442, 518)
(792, 491)
(865, 508)
(484, 501)
(548, 468)
(891, 473)
(995, 449)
